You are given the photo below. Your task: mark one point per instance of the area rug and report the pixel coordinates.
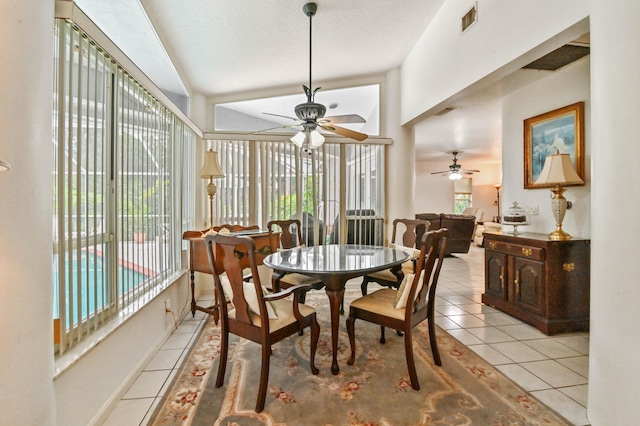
(376, 390)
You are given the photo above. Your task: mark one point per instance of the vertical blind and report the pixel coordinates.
(119, 155)
(336, 183)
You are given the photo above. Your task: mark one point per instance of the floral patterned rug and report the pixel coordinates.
(465, 390)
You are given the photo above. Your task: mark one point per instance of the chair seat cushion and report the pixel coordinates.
(387, 275)
(380, 302)
(284, 307)
(295, 279)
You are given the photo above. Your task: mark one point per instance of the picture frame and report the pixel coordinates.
(559, 130)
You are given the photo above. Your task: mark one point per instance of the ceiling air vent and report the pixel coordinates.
(470, 17)
(559, 58)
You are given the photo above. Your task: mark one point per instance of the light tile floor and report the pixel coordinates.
(552, 368)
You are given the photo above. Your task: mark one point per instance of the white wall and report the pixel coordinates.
(26, 330)
(446, 61)
(400, 199)
(557, 89)
(434, 193)
(614, 370)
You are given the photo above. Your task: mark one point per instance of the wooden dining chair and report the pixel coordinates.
(290, 237)
(392, 278)
(262, 318)
(408, 306)
(198, 262)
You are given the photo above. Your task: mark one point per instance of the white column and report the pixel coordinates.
(614, 369)
(26, 331)
(401, 158)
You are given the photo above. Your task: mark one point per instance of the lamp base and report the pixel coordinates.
(559, 235)
(558, 208)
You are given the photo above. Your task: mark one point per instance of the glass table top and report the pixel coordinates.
(335, 258)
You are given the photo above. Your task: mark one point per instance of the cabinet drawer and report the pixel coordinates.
(534, 253)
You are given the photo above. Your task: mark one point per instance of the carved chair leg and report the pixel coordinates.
(408, 348)
(315, 336)
(224, 352)
(352, 338)
(302, 296)
(264, 377)
(363, 286)
(434, 341)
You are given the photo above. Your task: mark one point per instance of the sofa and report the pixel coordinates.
(485, 226)
(461, 229)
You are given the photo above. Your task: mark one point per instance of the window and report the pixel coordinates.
(278, 112)
(461, 194)
(119, 155)
(275, 180)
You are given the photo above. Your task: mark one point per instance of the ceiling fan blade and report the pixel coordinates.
(345, 132)
(273, 128)
(347, 118)
(441, 173)
(469, 172)
(283, 116)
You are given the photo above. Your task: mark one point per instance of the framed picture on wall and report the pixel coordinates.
(558, 130)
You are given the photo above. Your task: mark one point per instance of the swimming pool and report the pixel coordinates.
(88, 287)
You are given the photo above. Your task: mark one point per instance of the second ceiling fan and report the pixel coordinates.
(455, 171)
(310, 115)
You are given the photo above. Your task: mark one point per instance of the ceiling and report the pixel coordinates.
(220, 48)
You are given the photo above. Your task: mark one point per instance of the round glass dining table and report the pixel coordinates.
(334, 265)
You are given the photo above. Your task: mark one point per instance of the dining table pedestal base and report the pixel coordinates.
(334, 265)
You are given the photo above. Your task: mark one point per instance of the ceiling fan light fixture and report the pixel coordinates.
(455, 176)
(316, 139)
(299, 138)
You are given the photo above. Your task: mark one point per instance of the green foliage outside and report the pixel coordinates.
(288, 203)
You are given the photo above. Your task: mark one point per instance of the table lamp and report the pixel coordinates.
(558, 171)
(211, 170)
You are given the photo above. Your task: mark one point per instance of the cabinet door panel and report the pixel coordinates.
(496, 274)
(529, 285)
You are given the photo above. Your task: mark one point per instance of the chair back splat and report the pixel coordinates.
(254, 315)
(290, 237)
(290, 232)
(391, 278)
(409, 305)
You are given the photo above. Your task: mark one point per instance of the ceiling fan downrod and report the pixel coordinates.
(310, 10)
(310, 111)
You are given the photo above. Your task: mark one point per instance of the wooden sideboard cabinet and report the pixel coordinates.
(544, 283)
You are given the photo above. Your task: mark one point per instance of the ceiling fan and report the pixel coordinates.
(310, 115)
(455, 172)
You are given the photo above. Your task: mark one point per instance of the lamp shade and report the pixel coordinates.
(211, 167)
(558, 170)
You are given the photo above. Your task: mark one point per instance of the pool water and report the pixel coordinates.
(92, 289)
